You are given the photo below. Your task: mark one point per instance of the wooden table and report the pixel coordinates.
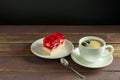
(17, 62)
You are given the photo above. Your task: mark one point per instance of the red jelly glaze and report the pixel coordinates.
(53, 40)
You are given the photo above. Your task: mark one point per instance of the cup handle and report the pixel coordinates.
(111, 52)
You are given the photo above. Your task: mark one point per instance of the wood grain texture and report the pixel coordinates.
(36, 64)
(61, 28)
(58, 76)
(17, 62)
(24, 37)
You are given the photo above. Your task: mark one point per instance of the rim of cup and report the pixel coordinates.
(92, 37)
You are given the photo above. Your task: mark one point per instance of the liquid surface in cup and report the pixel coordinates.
(92, 43)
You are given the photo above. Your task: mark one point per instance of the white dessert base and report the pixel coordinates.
(57, 49)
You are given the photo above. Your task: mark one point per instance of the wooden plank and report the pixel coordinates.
(36, 64)
(60, 28)
(58, 76)
(74, 37)
(23, 49)
(7, 49)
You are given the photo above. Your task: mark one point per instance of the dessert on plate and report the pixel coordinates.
(53, 43)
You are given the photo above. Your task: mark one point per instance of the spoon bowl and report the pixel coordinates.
(64, 62)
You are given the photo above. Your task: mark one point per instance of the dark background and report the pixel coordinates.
(59, 12)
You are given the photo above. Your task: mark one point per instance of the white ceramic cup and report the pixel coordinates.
(94, 54)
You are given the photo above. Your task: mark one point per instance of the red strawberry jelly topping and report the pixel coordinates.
(53, 40)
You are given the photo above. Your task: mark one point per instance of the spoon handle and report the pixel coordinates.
(80, 75)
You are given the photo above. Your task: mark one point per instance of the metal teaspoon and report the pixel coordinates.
(65, 63)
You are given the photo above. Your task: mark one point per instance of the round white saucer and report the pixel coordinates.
(37, 50)
(75, 55)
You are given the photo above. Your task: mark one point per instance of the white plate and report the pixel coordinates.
(36, 49)
(75, 55)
